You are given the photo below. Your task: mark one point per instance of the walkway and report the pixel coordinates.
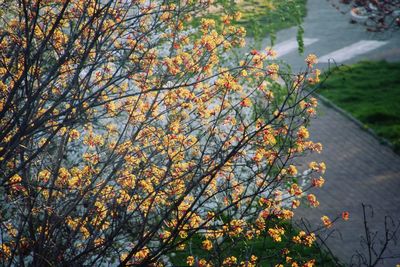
(359, 168)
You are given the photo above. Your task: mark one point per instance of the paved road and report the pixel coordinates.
(329, 31)
(360, 169)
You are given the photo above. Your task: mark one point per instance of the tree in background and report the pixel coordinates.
(124, 133)
(262, 18)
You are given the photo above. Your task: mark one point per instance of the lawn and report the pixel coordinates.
(370, 91)
(263, 17)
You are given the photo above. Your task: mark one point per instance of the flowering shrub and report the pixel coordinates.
(124, 132)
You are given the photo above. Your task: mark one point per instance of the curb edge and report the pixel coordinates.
(332, 105)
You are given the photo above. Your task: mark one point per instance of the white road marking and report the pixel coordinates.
(351, 51)
(291, 45)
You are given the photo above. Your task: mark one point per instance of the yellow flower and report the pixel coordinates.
(309, 239)
(311, 60)
(207, 23)
(319, 167)
(15, 179)
(292, 170)
(273, 71)
(309, 263)
(318, 182)
(276, 233)
(74, 134)
(237, 15)
(44, 176)
(3, 87)
(303, 133)
(5, 251)
(246, 102)
(313, 200)
(295, 203)
(230, 261)
(190, 260)
(326, 221)
(207, 245)
(142, 254)
(203, 263)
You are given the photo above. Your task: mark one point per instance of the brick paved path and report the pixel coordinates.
(359, 170)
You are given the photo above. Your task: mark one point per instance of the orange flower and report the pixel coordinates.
(313, 200)
(311, 60)
(295, 203)
(318, 182)
(327, 222)
(303, 133)
(309, 263)
(246, 102)
(345, 215)
(207, 245)
(74, 134)
(292, 170)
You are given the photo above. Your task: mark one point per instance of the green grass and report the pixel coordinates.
(370, 91)
(263, 17)
(268, 252)
(260, 19)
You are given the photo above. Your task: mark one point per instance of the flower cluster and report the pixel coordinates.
(125, 132)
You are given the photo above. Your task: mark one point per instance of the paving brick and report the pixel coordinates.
(359, 170)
